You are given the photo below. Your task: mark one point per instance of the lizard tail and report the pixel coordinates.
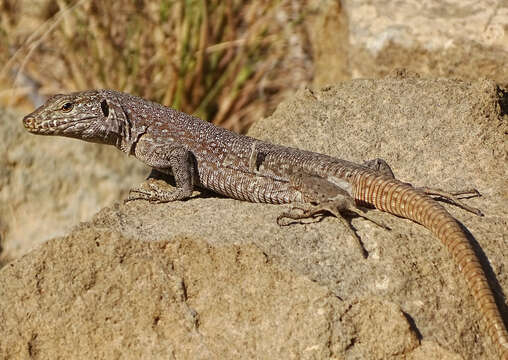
(395, 197)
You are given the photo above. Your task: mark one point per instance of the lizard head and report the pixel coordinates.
(85, 115)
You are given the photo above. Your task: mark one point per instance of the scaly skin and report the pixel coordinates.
(199, 154)
(401, 199)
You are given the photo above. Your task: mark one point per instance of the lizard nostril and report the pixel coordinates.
(28, 121)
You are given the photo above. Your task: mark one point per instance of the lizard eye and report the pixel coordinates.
(67, 107)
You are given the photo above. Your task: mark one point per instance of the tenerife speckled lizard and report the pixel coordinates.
(199, 154)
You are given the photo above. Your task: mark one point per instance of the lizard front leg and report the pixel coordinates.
(169, 159)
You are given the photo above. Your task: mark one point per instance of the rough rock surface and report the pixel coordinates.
(454, 38)
(213, 277)
(49, 184)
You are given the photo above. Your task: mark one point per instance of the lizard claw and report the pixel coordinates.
(136, 195)
(141, 194)
(156, 193)
(293, 215)
(452, 198)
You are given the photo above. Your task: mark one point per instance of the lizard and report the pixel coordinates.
(198, 154)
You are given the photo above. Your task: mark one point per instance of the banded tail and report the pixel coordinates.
(395, 197)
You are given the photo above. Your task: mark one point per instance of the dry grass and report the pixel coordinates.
(225, 61)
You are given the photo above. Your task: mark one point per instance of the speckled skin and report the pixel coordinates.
(200, 154)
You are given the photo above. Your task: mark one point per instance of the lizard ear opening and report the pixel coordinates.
(105, 108)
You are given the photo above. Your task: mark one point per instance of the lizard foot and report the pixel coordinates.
(451, 197)
(139, 194)
(156, 191)
(305, 211)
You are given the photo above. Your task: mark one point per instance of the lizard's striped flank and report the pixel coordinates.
(402, 199)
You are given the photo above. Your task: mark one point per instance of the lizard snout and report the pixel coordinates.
(29, 122)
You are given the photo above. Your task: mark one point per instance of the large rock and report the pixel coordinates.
(454, 38)
(369, 39)
(213, 277)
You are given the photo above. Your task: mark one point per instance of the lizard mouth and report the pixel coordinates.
(49, 126)
(42, 127)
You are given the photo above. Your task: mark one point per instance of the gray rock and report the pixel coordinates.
(49, 184)
(217, 278)
(456, 38)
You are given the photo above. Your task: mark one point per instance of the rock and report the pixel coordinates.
(48, 184)
(213, 277)
(97, 294)
(326, 22)
(456, 38)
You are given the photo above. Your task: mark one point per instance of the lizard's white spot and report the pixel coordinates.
(383, 284)
(164, 131)
(158, 123)
(343, 184)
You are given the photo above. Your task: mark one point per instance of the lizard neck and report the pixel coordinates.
(127, 125)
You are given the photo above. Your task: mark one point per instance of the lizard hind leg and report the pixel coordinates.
(381, 166)
(335, 207)
(452, 198)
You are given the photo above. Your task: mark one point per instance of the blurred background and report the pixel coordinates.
(229, 62)
(233, 61)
